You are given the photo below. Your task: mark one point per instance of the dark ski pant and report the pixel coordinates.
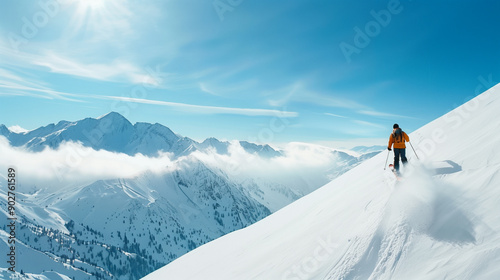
(397, 154)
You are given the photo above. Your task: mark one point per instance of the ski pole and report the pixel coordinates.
(385, 165)
(413, 150)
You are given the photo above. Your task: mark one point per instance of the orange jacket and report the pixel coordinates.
(398, 143)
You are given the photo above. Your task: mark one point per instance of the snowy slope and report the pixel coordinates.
(38, 262)
(441, 222)
(129, 227)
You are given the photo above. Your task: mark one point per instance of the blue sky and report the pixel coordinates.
(337, 72)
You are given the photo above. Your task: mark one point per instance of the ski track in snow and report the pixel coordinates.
(413, 207)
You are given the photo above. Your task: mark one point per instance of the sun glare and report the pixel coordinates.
(93, 18)
(92, 4)
(89, 14)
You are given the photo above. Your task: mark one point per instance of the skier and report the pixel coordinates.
(398, 138)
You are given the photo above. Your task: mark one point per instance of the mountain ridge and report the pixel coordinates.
(113, 132)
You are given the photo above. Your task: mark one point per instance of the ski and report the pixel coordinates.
(398, 177)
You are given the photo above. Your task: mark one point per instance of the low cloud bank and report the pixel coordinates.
(303, 166)
(72, 164)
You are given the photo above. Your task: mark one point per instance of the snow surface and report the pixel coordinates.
(441, 222)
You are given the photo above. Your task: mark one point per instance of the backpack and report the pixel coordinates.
(398, 135)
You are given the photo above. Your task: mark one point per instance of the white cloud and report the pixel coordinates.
(298, 92)
(21, 90)
(230, 89)
(202, 109)
(117, 70)
(9, 76)
(330, 100)
(15, 85)
(303, 167)
(381, 114)
(335, 115)
(287, 93)
(73, 165)
(371, 124)
(205, 88)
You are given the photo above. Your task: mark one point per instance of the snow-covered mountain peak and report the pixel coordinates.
(113, 132)
(262, 150)
(114, 116)
(219, 146)
(158, 129)
(211, 140)
(114, 120)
